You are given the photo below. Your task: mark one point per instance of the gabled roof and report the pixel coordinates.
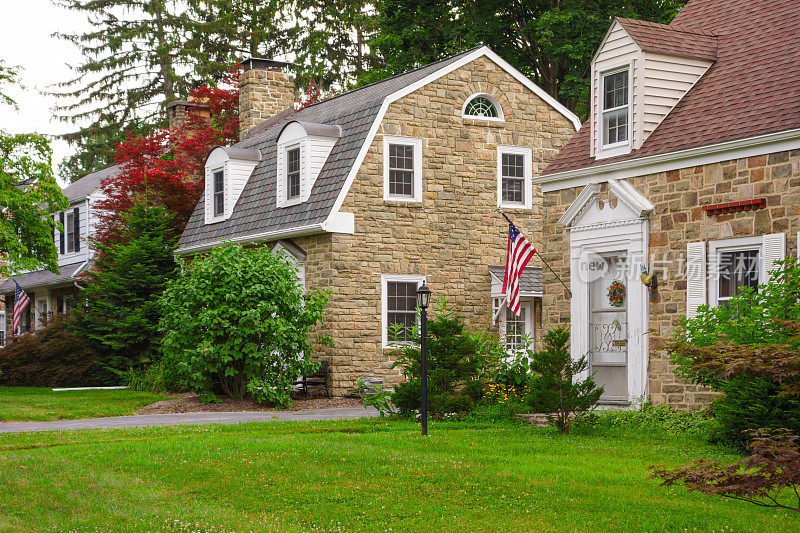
(44, 278)
(80, 189)
(752, 89)
(670, 40)
(256, 214)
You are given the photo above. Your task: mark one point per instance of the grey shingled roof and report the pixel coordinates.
(256, 211)
(529, 281)
(42, 278)
(89, 183)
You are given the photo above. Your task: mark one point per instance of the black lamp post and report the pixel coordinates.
(423, 300)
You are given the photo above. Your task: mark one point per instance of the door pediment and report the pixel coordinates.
(624, 203)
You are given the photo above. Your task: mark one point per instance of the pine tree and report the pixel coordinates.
(121, 315)
(135, 60)
(225, 32)
(331, 42)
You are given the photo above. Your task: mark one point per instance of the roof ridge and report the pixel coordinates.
(670, 26)
(374, 83)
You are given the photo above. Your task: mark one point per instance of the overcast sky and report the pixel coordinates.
(25, 40)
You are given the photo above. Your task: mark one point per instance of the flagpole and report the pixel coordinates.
(542, 259)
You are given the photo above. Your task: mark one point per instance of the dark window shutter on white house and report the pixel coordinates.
(61, 233)
(77, 230)
(696, 286)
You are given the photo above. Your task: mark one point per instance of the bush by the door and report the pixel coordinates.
(238, 319)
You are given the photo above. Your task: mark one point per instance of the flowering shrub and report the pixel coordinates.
(502, 394)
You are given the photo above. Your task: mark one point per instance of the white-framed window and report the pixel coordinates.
(717, 270)
(516, 330)
(734, 264)
(514, 177)
(292, 173)
(399, 304)
(70, 231)
(41, 312)
(218, 179)
(402, 168)
(483, 107)
(615, 112)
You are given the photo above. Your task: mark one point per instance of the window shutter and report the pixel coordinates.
(305, 174)
(696, 286)
(280, 189)
(61, 233)
(774, 250)
(77, 229)
(53, 228)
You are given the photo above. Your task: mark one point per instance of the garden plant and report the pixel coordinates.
(237, 319)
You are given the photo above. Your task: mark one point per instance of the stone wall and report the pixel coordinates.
(452, 236)
(679, 218)
(262, 95)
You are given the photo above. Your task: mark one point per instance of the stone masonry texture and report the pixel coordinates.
(262, 95)
(679, 218)
(452, 236)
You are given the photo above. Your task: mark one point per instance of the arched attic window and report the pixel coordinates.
(482, 106)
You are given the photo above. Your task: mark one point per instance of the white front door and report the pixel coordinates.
(608, 329)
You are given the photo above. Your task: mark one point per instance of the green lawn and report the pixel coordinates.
(33, 404)
(367, 475)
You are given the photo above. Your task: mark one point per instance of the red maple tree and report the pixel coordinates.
(166, 168)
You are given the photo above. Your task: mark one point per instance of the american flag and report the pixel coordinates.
(520, 252)
(21, 301)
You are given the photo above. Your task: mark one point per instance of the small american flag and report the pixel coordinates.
(21, 301)
(520, 252)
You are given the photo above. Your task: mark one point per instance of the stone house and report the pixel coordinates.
(56, 293)
(688, 169)
(375, 190)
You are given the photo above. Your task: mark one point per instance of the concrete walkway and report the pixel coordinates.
(177, 419)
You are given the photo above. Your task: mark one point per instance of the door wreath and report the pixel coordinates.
(616, 294)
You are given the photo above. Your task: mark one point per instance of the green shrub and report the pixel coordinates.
(457, 356)
(750, 351)
(652, 419)
(158, 377)
(750, 403)
(473, 389)
(50, 357)
(238, 318)
(497, 412)
(120, 317)
(553, 387)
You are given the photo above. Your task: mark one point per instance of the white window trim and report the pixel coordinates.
(221, 216)
(619, 148)
(530, 327)
(283, 173)
(69, 235)
(500, 115)
(715, 250)
(416, 143)
(385, 279)
(527, 176)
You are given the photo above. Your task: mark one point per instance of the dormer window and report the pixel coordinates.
(293, 173)
(615, 108)
(482, 106)
(219, 193)
(302, 151)
(227, 170)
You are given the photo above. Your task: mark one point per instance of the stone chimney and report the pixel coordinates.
(265, 89)
(179, 111)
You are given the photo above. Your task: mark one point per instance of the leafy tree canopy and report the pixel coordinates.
(28, 195)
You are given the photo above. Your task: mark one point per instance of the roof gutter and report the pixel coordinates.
(701, 155)
(299, 231)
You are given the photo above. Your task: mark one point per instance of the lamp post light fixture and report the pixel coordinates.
(423, 301)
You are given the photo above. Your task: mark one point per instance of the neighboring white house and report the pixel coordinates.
(55, 293)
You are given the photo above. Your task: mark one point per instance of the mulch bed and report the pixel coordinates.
(190, 403)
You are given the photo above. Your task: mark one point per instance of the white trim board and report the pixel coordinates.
(468, 58)
(691, 157)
